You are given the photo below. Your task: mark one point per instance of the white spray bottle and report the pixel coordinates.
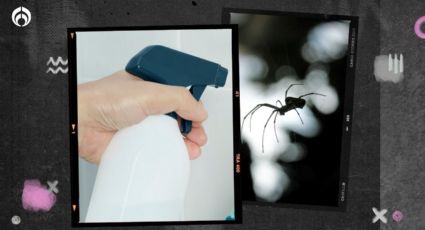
(144, 172)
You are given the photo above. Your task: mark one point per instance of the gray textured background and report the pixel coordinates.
(386, 121)
(402, 117)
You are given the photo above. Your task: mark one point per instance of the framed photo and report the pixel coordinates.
(296, 95)
(144, 173)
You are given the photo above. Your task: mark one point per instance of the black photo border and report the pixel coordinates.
(348, 103)
(73, 125)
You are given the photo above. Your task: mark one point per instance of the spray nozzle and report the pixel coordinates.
(171, 67)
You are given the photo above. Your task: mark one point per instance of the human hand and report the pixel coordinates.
(121, 100)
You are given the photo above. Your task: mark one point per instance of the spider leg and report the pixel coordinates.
(264, 130)
(312, 94)
(250, 112)
(299, 116)
(286, 92)
(279, 103)
(250, 117)
(274, 123)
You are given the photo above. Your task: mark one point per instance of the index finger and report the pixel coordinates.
(160, 99)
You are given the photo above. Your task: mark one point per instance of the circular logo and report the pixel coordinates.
(16, 220)
(21, 16)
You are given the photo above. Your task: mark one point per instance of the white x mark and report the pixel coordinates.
(379, 215)
(52, 186)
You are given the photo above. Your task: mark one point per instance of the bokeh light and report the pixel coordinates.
(326, 42)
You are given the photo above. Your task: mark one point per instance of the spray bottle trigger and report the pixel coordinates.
(196, 91)
(185, 126)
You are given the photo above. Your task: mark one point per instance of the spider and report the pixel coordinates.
(291, 103)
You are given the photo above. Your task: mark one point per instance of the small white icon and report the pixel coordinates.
(16, 220)
(379, 215)
(389, 68)
(395, 65)
(59, 61)
(21, 16)
(52, 186)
